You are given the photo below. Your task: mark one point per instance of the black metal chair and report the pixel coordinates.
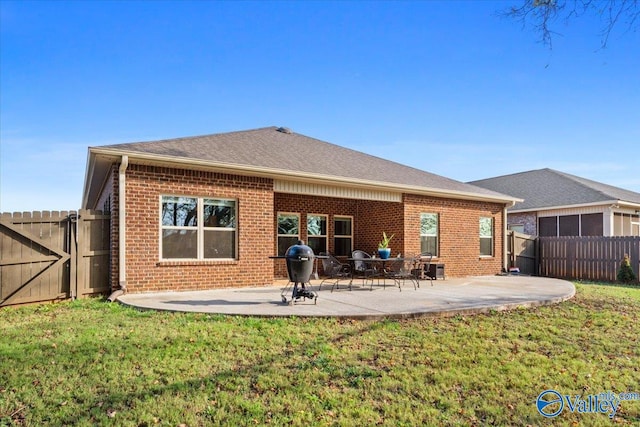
(362, 268)
(333, 270)
(401, 270)
(421, 267)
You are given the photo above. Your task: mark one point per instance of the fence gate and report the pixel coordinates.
(46, 256)
(523, 253)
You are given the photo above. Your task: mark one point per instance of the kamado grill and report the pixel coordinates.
(300, 259)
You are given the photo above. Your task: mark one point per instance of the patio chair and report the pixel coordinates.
(401, 270)
(362, 268)
(333, 270)
(421, 267)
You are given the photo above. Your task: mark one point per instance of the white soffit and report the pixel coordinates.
(310, 189)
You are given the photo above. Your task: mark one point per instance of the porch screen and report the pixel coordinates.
(569, 225)
(548, 226)
(591, 224)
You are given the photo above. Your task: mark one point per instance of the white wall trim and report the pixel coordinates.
(292, 187)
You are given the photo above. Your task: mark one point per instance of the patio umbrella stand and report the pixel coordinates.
(300, 259)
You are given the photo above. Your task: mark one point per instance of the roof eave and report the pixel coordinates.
(161, 160)
(611, 203)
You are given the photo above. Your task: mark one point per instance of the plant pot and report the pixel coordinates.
(384, 252)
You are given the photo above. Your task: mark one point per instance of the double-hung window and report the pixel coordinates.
(429, 233)
(486, 236)
(317, 233)
(343, 235)
(185, 236)
(288, 231)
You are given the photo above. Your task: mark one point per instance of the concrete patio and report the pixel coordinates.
(470, 295)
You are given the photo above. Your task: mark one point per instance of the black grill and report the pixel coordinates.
(300, 259)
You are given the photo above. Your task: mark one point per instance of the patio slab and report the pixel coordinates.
(470, 295)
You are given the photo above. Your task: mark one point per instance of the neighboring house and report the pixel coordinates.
(560, 204)
(208, 211)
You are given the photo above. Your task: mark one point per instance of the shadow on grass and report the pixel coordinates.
(97, 408)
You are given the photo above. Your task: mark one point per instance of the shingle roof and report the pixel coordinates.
(548, 188)
(279, 149)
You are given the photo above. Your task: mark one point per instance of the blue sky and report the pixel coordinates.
(444, 86)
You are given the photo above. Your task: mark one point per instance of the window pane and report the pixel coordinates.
(592, 224)
(486, 227)
(342, 246)
(569, 225)
(486, 247)
(284, 243)
(219, 213)
(179, 211)
(179, 244)
(342, 226)
(429, 244)
(288, 224)
(486, 236)
(428, 224)
(219, 244)
(316, 225)
(547, 226)
(317, 244)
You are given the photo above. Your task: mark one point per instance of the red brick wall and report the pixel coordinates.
(145, 271)
(257, 209)
(459, 233)
(459, 227)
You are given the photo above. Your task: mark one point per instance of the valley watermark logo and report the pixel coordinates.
(551, 403)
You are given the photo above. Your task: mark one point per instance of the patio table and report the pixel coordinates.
(375, 261)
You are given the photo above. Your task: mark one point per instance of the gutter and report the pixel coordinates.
(122, 212)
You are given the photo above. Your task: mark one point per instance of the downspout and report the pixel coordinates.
(122, 264)
(505, 239)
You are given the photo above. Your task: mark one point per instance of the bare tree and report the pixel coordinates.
(543, 15)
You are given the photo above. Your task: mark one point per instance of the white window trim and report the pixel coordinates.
(326, 235)
(350, 236)
(278, 235)
(200, 229)
(437, 235)
(493, 237)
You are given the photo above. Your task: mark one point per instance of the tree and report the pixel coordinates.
(625, 272)
(542, 15)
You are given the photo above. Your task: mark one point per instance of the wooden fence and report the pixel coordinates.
(586, 258)
(46, 256)
(522, 252)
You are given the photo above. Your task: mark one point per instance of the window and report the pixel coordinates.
(317, 233)
(342, 235)
(429, 233)
(184, 237)
(288, 231)
(518, 228)
(486, 236)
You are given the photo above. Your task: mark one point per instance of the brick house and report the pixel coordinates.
(207, 211)
(560, 204)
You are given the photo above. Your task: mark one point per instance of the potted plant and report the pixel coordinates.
(383, 247)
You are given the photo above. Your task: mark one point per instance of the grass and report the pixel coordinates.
(92, 363)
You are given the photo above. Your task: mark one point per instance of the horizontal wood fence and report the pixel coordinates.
(586, 258)
(46, 256)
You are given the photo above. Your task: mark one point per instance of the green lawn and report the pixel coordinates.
(93, 363)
